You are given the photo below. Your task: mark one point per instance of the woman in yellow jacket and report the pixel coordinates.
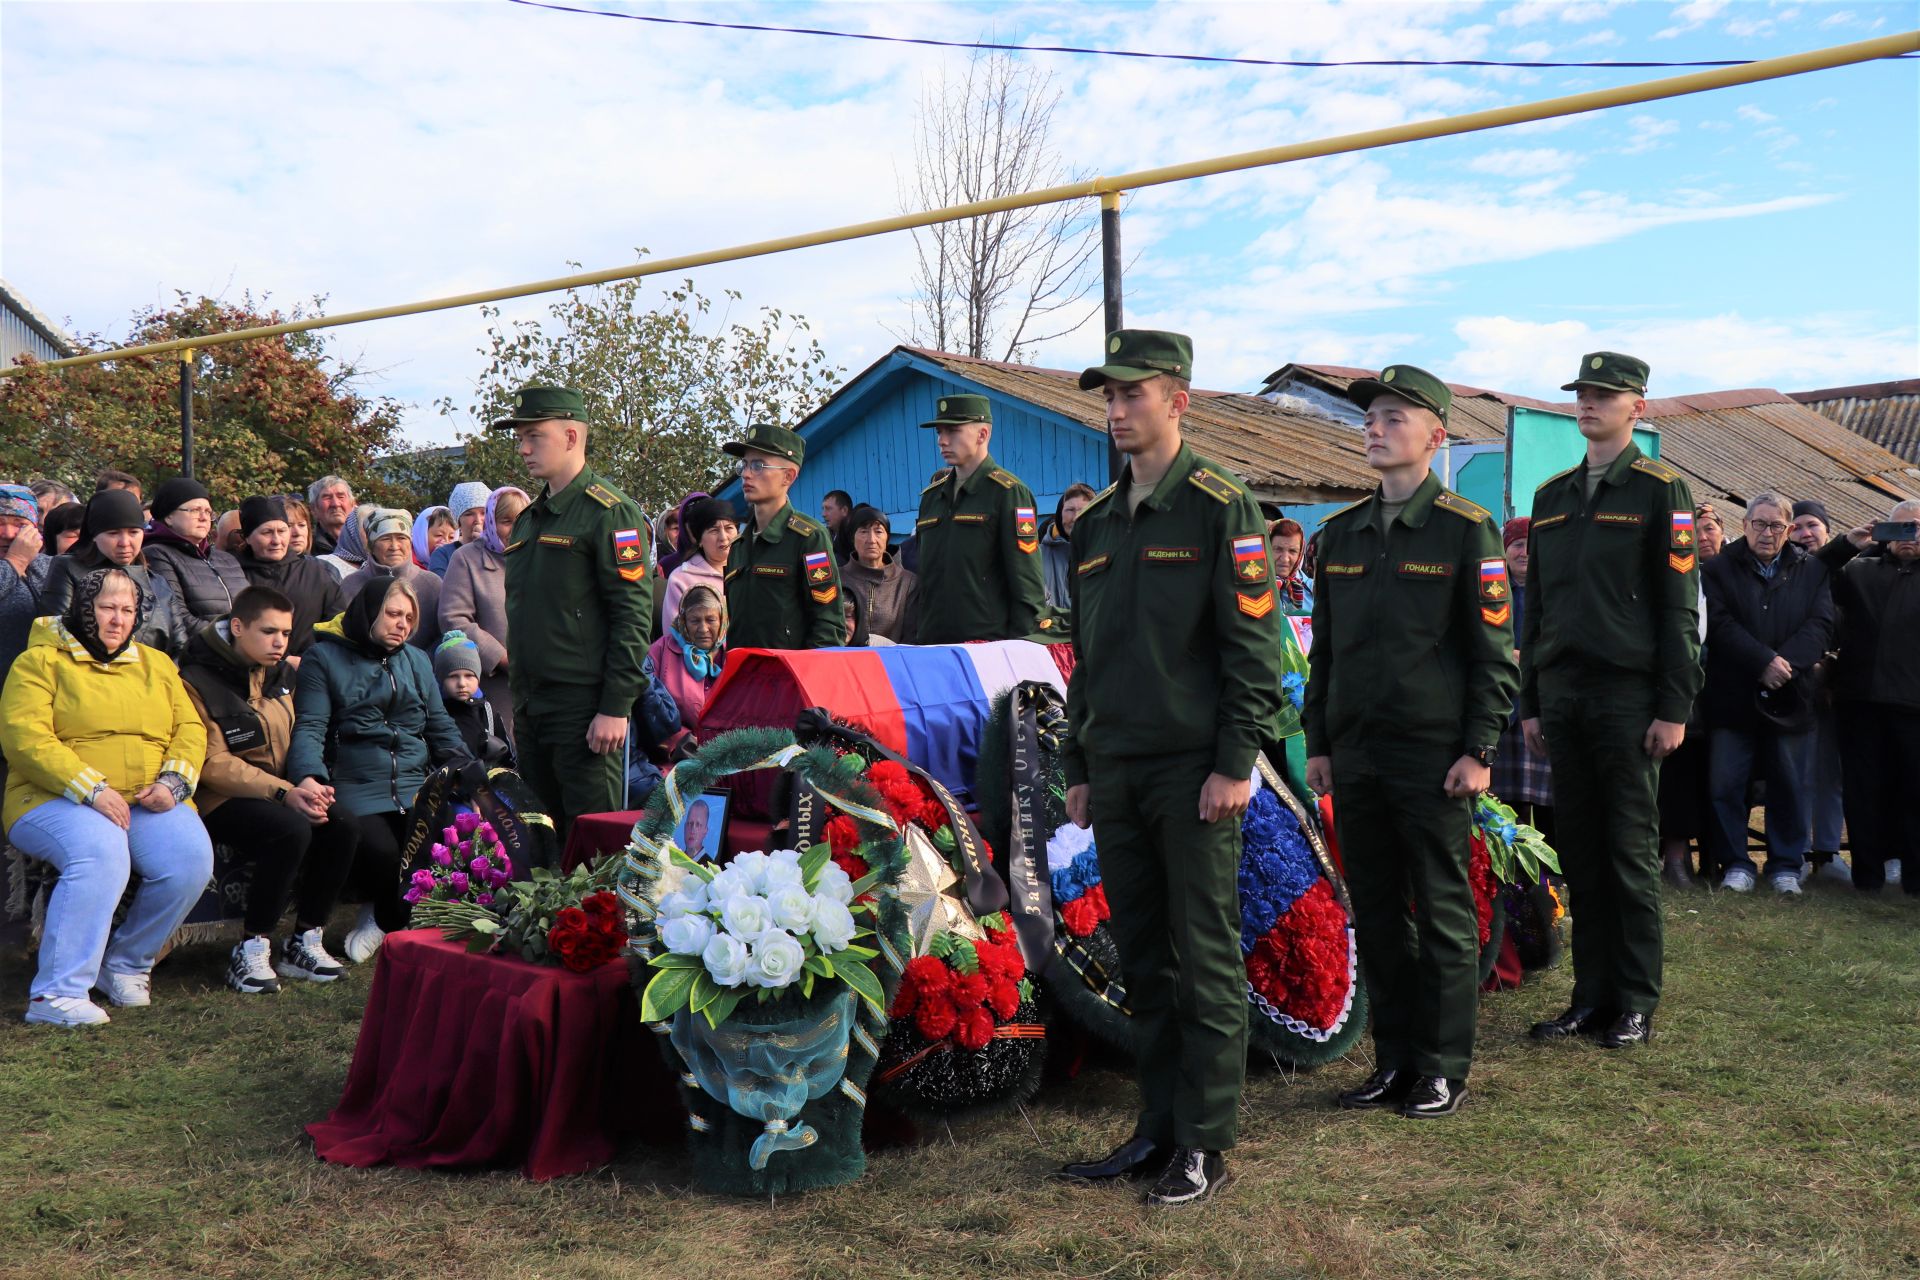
(104, 748)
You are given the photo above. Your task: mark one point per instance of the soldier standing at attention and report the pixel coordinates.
(979, 571)
(1609, 666)
(1177, 686)
(783, 587)
(579, 604)
(1412, 681)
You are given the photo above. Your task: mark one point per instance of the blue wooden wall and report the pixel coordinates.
(869, 442)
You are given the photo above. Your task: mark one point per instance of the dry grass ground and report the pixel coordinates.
(1771, 1130)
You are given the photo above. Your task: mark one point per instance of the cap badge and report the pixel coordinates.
(943, 406)
(1596, 362)
(1388, 375)
(1113, 345)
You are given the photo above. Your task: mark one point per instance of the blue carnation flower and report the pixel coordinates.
(1295, 686)
(1074, 879)
(1276, 867)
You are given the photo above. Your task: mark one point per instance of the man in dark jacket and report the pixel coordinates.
(1878, 698)
(1769, 619)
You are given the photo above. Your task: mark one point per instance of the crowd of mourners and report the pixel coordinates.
(316, 657)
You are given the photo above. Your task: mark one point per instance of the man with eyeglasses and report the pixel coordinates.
(783, 586)
(1609, 666)
(1770, 617)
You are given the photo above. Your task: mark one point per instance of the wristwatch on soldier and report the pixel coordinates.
(1483, 755)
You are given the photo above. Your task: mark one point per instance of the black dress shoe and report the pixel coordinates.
(1134, 1158)
(1386, 1087)
(1432, 1097)
(1628, 1029)
(1191, 1176)
(1580, 1020)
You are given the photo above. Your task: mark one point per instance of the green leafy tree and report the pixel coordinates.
(665, 385)
(270, 416)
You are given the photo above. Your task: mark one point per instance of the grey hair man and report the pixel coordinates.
(331, 500)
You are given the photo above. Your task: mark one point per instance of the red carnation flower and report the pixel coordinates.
(975, 1029)
(1004, 999)
(935, 1017)
(843, 836)
(969, 990)
(853, 864)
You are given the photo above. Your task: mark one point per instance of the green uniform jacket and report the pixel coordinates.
(579, 599)
(1617, 586)
(783, 588)
(1176, 633)
(1413, 632)
(979, 566)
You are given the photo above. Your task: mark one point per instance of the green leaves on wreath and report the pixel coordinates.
(668, 993)
(862, 980)
(812, 863)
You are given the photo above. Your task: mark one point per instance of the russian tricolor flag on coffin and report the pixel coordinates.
(928, 702)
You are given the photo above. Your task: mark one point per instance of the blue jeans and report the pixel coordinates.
(1824, 788)
(1784, 760)
(170, 853)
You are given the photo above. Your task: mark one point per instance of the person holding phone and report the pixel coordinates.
(1877, 702)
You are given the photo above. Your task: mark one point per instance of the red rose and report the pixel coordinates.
(602, 904)
(974, 1030)
(570, 918)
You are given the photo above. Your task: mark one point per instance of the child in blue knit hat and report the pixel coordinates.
(456, 665)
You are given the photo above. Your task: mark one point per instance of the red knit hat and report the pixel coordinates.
(1514, 529)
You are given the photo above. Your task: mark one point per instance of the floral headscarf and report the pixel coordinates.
(490, 534)
(351, 545)
(83, 626)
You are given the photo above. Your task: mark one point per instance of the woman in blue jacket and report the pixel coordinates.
(369, 723)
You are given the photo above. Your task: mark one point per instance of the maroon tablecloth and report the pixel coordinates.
(489, 1060)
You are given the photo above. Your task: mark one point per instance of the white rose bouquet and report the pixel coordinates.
(762, 923)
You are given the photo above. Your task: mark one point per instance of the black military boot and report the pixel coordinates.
(1134, 1158)
(1386, 1087)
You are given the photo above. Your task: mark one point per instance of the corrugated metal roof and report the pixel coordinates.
(1478, 413)
(1279, 453)
(1887, 413)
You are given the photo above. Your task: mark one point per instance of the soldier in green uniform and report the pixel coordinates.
(783, 587)
(979, 566)
(1412, 680)
(579, 604)
(1176, 688)
(1609, 666)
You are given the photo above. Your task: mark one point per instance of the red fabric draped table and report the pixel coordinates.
(487, 1060)
(595, 834)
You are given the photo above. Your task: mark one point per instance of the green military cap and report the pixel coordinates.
(1610, 371)
(1410, 383)
(537, 404)
(955, 410)
(764, 437)
(1134, 355)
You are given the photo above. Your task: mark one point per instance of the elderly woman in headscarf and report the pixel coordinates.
(368, 722)
(468, 503)
(432, 529)
(105, 749)
(113, 534)
(689, 655)
(473, 598)
(350, 547)
(390, 555)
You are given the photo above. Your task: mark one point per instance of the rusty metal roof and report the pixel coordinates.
(1887, 413)
(1280, 454)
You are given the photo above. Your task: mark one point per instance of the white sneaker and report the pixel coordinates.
(127, 990)
(1836, 871)
(1893, 872)
(364, 939)
(66, 1011)
(250, 969)
(304, 956)
(1737, 880)
(1787, 882)
(1806, 870)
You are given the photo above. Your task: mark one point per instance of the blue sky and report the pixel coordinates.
(381, 153)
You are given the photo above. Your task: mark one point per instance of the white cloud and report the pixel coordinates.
(1528, 13)
(1595, 39)
(1528, 163)
(1646, 135)
(1844, 17)
(1691, 16)
(1688, 354)
(1755, 115)
(1532, 51)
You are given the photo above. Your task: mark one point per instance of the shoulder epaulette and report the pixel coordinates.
(1216, 486)
(1002, 478)
(1657, 469)
(1555, 479)
(801, 525)
(1335, 515)
(1099, 498)
(603, 495)
(937, 481)
(1451, 501)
